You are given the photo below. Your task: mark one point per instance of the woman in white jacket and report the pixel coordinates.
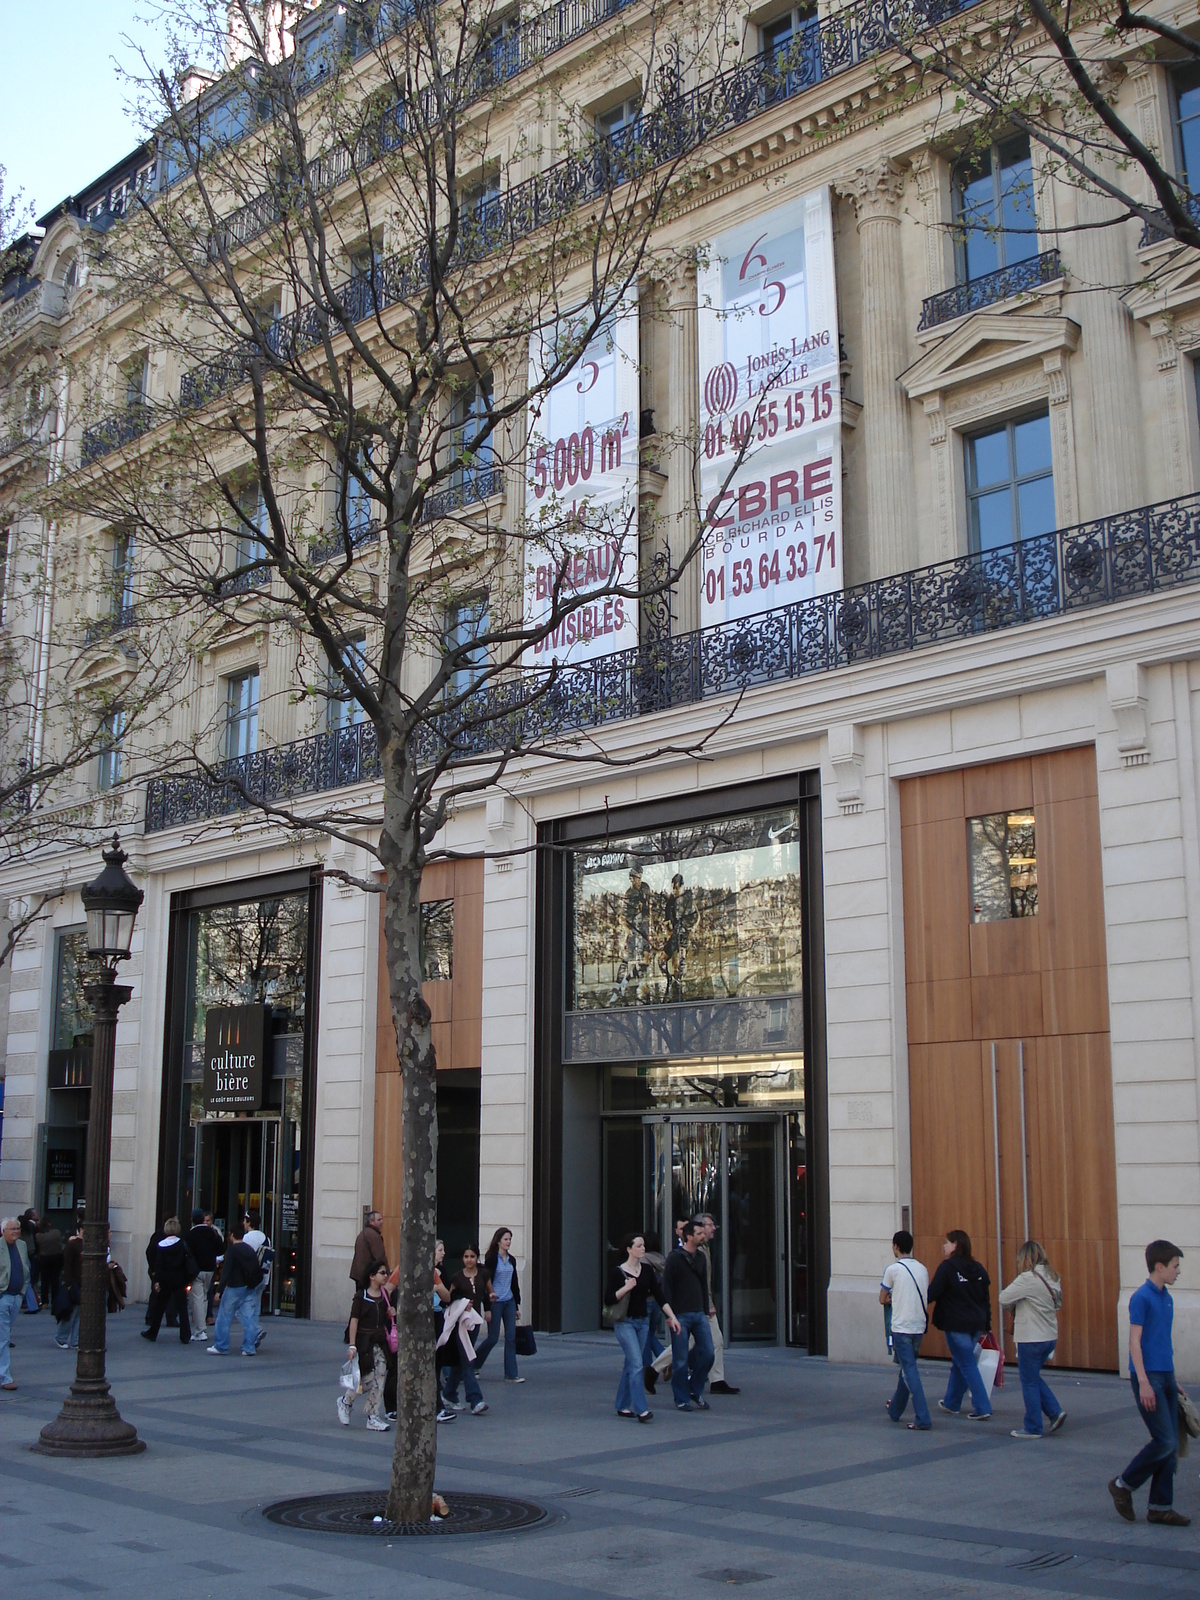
(1034, 1297)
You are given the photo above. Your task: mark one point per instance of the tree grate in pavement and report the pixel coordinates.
(574, 1494)
(1043, 1563)
(365, 1512)
(735, 1575)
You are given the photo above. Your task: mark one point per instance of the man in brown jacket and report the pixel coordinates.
(368, 1248)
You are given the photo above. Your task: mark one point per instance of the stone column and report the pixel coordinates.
(876, 192)
(1101, 270)
(678, 458)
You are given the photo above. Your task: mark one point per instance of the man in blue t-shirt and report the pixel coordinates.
(1152, 1374)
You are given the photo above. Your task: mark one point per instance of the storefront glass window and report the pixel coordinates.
(72, 1014)
(1003, 855)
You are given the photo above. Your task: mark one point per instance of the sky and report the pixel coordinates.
(63, 109)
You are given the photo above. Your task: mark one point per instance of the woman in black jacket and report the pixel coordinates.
(631, 1283)
(172, 1268)
(505, 1303)
(961, 1289)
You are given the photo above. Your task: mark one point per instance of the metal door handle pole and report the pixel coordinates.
(996, 1164)
(1024, 1161)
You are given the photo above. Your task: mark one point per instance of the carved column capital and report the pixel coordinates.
(875, 190)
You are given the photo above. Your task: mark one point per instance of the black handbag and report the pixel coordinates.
(526, 1344)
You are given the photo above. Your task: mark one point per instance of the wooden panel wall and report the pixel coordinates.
(457, 1027)
(1038, 982)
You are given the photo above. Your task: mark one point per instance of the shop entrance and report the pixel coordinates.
(240, 1165)
(748, 1172)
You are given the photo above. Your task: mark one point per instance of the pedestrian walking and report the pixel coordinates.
(367, 1335)
(368, 1249)
(685, 1289)
(205, 1246)
(152, 1298)
(441, 1299)
(905, 1287)
(1034, 1297)
(49, 1243)
(171, 1274)
(239, 1294)
(14, 1275)
(118, 1287)
(631, 1285)
(504, 1302)
(469, 1286)
(655, 1324)
(717, 1383)
(1152, 1377)
(70, 1291)
(961, 1292)
(29, 1227)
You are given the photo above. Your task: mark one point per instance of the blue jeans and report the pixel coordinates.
(504, 1312)
(908, 1383)
(464, 1371)
(690, 1369)
(66, 1330)
(1157, 1460)
(1032, 1355)
(631, 1391)
(964, 1375)
(652, 1346)
(10, 1304)
(242, 1304)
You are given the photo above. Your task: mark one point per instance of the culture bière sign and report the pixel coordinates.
(234, 1046)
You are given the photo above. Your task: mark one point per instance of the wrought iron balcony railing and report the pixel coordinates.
(364, 534)
(113, 432)
(477, 484)
(1122, 557)
(120, 618)
(678, 125)
(244, 581)
(1022, 278)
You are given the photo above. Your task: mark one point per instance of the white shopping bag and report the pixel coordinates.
(348, 1378)
(989, 1360)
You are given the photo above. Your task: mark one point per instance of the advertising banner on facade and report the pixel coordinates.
(234, 1046)
(581, 496)
(770, 408)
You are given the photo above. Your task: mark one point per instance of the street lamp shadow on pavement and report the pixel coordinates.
(89, 1423)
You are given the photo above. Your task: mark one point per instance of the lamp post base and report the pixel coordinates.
(89, 1424)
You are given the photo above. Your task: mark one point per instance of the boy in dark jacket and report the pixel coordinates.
(239, 1295)
(171, 1269)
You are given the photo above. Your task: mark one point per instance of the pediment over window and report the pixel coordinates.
(989, 344)
(1172, 292)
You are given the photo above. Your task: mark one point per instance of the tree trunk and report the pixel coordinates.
(410, 1498)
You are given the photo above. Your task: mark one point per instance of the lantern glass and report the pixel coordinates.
(111, 902)
(110, 933)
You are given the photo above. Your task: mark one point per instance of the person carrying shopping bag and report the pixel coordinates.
(961, 1292)
(369, 1335)
(1034, 1297)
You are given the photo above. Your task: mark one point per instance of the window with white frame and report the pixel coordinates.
(121, 577)
(249, 552)
(619, 119)
(1010, 482)
(342, 710)
(1185, 85)
(135, 374)
(500, 47)
(995, 224)
(470, 447)
(791, 43)
(360, 507)
(467, 623)
(112, 736)
(241, 713)
(5, 555)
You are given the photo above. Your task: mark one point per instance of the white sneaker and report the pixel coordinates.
(199, 1338)
(374, 1425)
(478, 1409)
(213, 1351)
(457, 1405)
(343, 1411)
(514, 1380)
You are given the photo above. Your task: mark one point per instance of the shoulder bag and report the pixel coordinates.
(617, 1312)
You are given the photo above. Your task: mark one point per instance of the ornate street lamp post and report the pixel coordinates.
(89, 1423)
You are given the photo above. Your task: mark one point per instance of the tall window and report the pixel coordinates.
(470, 451)
(342, 710)
(1186, 83)
(367, 257)
(122, 573)
(135, 374)
(359, 505)
(248, 548)
(5, 548)
(466, 622)
(792, 44)
(619, 119)
(995, 224)
(72, 1026)
(241, 714)
(500, 48)
(1010, 483)
(112, 734)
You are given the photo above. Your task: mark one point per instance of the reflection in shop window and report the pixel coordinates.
(437, 941)
(72, 1014)
(252, 953)
(1003, 856)
(706, 911)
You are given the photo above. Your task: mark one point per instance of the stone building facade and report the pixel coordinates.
(1018, 1065)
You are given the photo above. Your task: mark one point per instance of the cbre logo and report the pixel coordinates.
(721, 388)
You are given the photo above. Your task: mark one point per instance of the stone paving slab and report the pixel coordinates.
(798, 1484)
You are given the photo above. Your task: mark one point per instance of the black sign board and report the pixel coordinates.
(234, 1046)
(60, 1179)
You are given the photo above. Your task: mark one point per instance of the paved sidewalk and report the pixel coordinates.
(800, 1484)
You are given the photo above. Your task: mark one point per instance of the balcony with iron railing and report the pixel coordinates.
(117, 621)
(362, 535)
(1024, 277)
(1057, 575)
(122, 428)
(677, 126)
(37, 299)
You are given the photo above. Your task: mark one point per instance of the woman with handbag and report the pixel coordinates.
(961, 1289)
(505, 1294)
(631, 1283)
(472, 1286)
(370, 1335)
(1034, 1297)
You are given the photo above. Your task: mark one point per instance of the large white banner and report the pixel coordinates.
(581, 496)
(769, 384)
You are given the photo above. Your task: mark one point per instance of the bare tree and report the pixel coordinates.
(372, 277)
